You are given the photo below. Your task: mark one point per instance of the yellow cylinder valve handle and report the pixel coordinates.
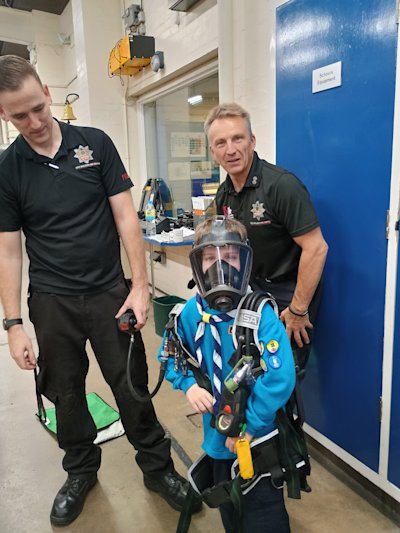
(245, 459)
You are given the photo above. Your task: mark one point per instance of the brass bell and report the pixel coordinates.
(68, 113)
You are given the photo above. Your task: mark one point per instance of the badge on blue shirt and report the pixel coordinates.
(273, 346)
(274, 361)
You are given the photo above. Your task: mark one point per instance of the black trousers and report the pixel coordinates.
(283, 291)
(63, 324)
(264, 508)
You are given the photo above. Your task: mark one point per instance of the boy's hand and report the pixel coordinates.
(230, 442)
(200, 399)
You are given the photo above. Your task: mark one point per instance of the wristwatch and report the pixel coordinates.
(8, 323)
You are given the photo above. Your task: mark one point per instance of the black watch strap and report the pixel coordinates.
(8, 323)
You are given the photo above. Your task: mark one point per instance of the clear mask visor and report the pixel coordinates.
(222, 269)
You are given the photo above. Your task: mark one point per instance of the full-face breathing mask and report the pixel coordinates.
(221, 265)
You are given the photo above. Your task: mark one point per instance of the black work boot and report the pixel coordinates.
(173, 488)
(68, 503)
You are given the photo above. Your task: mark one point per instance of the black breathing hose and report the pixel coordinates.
(142, 397)
(126, 324)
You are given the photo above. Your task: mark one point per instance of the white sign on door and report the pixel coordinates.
(327, 77)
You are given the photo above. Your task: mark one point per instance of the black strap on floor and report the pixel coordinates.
(41, 409)
(187, 511)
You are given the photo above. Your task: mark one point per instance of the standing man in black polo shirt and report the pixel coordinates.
(283, 229)
(66, 188)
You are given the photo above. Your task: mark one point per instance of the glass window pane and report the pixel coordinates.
(177, 152)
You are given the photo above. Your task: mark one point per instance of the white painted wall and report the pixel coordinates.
(16, 26)
(97, 27)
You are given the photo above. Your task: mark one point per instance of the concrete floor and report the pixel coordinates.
(31, 473)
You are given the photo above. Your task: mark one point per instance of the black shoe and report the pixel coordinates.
(173, 488)
(68, 503)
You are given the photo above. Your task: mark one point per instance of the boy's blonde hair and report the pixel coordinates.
(231, 225)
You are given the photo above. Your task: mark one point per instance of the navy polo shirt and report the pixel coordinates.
(275, 206)
(62, 206)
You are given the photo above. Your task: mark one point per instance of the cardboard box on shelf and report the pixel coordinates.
(200, 203)
(203, 208)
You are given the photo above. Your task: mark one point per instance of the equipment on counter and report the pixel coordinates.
(157, 190)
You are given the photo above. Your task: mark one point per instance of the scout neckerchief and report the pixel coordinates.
(213, 321)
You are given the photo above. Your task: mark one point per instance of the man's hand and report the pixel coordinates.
(139, 301)
(200, 400)
(21, 348)
(296, 326)
(230, 442)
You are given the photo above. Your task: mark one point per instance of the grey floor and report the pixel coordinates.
(31, 473)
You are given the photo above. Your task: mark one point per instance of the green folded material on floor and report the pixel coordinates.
(107, 419)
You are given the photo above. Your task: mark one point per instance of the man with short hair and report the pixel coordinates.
(283, 228)
(66, 188)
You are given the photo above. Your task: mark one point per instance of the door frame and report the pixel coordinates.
(391, 280)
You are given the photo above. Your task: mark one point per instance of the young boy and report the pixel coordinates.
(221, 262)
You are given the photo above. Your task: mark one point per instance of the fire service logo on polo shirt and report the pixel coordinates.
(258, 210)
(84, 155)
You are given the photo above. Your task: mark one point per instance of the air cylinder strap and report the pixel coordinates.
(292, 445)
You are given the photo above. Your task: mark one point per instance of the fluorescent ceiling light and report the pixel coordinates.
(195, 100)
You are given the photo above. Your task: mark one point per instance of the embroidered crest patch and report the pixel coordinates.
(83, 154)
(258, 210)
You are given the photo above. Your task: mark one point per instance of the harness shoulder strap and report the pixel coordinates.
(248, 314)
(171, 329)
(246, 326)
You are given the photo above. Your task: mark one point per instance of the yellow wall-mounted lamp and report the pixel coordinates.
(68, 111)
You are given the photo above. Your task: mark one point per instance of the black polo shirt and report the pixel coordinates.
(62, 206)
(274, 206)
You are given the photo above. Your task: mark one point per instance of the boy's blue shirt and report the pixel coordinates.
(271, 390)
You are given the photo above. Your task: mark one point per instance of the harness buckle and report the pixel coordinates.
(217, 495)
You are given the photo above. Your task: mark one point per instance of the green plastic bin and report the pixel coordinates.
(162, 306)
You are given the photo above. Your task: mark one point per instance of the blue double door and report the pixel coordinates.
(339, 142)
